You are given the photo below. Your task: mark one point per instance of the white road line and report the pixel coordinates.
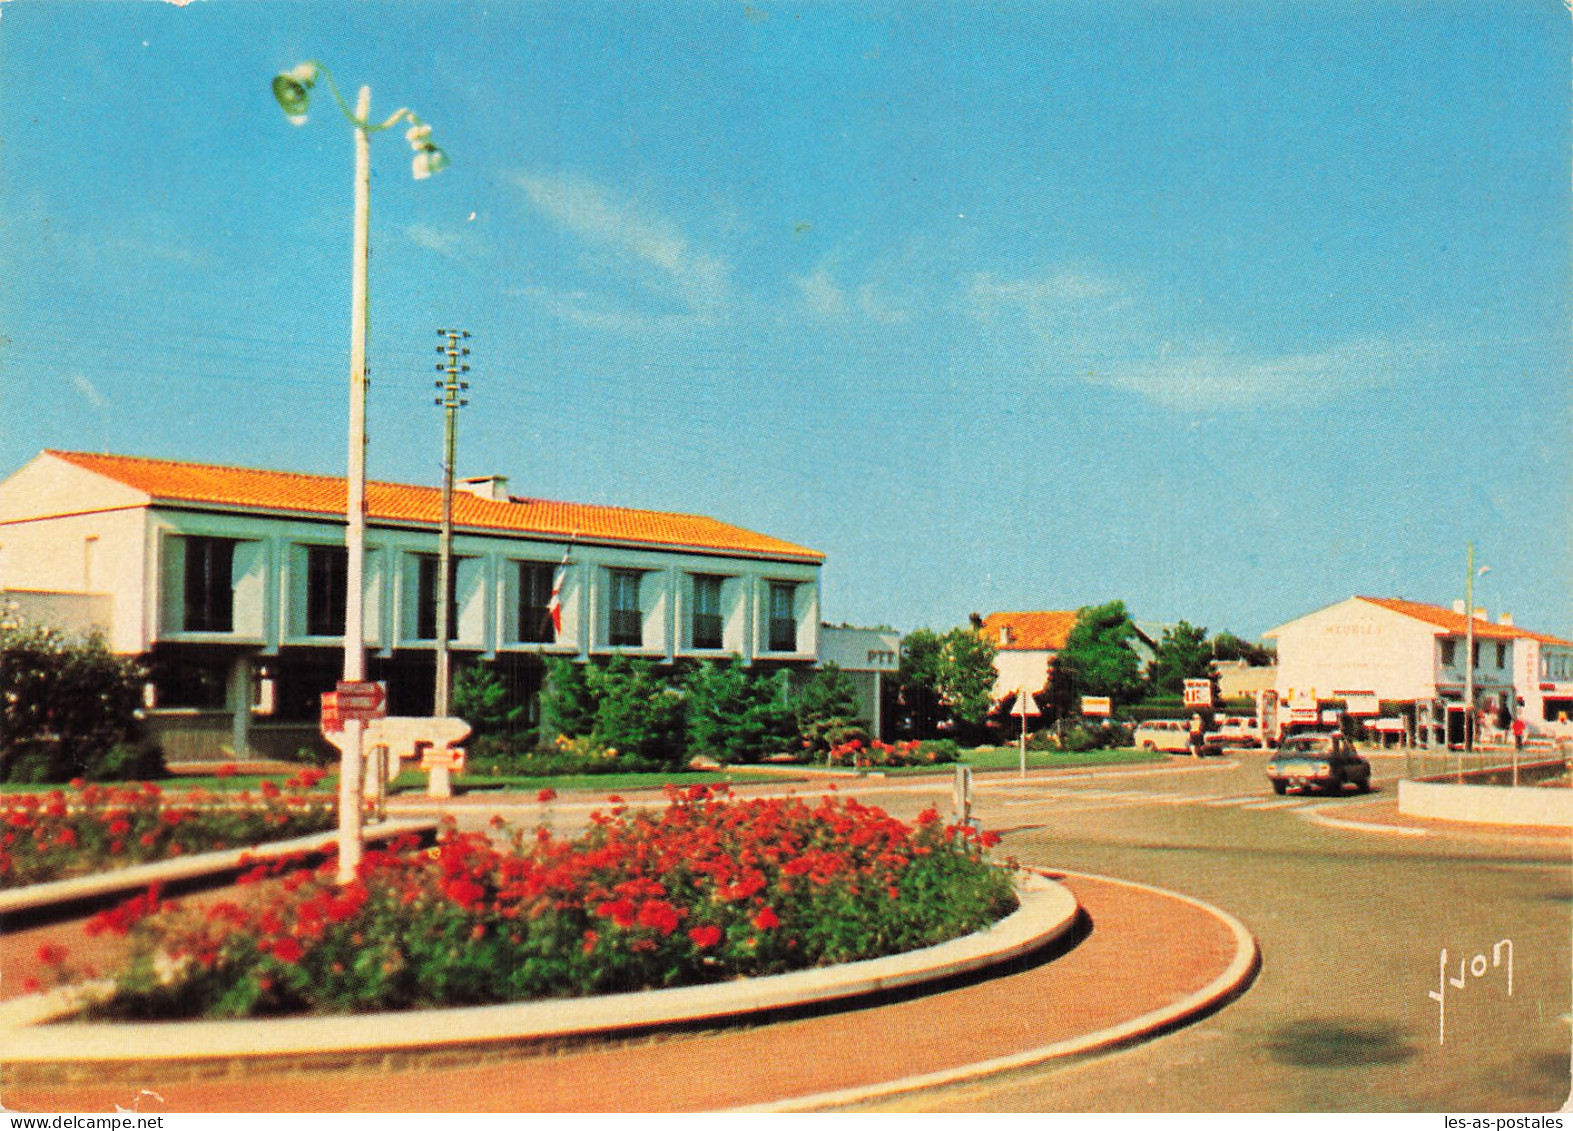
(1283, 804)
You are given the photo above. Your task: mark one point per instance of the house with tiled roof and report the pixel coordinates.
(1413, 658)
(1026, 644)
(231, 583)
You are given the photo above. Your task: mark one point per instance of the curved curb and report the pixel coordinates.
(1316, 815)
(35, 897)
(1047, 912)
(1217, 993)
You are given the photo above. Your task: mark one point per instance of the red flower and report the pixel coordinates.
(287, 950)
(464, 891)
(227, 770)
(766, 919)
(619, 911)
(659, 914)
(51, 954)
(590, 939)
(706, 936)
(546, 795)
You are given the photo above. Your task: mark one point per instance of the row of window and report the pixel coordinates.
(1450, 654)
(210, 599)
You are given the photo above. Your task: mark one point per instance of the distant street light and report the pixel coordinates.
(292, 90)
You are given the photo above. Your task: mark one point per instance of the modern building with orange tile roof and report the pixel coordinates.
(231, 582)
(1411, 659)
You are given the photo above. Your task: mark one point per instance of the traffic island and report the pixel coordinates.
(1058, 1000)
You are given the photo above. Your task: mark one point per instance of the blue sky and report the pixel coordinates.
(1229, 310)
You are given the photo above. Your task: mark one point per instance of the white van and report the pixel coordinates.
(1171, 735)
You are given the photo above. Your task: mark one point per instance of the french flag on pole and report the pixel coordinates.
(554, 607)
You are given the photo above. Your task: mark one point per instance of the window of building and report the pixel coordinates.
(1449, 652)
(783, 622)
(426, 601)
(327, 581)
(209, 585)
(199, 681)
(1501, 656)
(627, 622)
(535, 597)
(707, 611)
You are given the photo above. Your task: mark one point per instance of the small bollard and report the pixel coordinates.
(961, 796)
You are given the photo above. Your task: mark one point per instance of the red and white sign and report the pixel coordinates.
(1096, 705)
(1198, 693)
(332, 721)
(361, 700)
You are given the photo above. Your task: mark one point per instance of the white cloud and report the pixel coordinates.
(90, 391)
(1099, 331)
(647, 244)
(430, 238)
(1222, 380)
(821, 294)
(825, 298)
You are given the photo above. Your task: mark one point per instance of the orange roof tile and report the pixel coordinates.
(1030, 632)
(172, 481)
(1455, 623)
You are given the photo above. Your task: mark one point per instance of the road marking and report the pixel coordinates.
(1285, 803)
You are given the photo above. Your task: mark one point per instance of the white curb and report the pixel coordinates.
(1047, 911)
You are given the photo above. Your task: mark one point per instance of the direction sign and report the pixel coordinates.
(332, 721)
(1198, 693)
(361, 700)
(1096, 705)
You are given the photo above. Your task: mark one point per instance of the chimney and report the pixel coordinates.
(493, 487)
(1004, 635)
(1506, 618)
(1458, 607)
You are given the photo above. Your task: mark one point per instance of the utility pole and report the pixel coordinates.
(451, 403)
(1469, 654)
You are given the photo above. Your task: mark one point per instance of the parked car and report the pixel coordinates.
(1236, 731)
(1171, 735)
(1318, 761)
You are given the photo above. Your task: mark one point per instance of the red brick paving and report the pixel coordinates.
(1145, 951)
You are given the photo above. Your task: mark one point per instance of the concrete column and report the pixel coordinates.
(238, 699)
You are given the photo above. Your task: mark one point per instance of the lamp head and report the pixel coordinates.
(428, 160)
(292, 91)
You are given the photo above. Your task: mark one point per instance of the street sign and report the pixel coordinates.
(361, 699)
(332, 721)
(1096, 705)
(1198, 693)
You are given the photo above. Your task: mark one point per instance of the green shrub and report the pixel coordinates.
(736, 714)
(826, 711)
(68, 704)
(480, 698)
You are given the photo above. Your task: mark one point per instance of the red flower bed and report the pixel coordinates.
(887, 754)
(91, 828)
(708, 889)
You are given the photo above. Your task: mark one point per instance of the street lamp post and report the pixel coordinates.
(292, 89)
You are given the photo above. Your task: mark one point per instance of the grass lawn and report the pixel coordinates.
(414, 781)
(178, 784)
(1009, 758)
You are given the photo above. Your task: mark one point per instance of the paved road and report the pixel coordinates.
(1352, 926)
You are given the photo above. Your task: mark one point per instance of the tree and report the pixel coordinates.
(1228, 646)
(637, 713)
(567, 703)
(918, 679)
(952, 673)
(966, 676)
(1182, 654)
(480, 698)
(68, 708)
(1097, 658)
(737, 714)
(827, 711)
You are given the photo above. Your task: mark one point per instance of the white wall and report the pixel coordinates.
(1356, 646)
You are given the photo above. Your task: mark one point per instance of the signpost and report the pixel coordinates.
(1198, 693)
(1025, 705)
